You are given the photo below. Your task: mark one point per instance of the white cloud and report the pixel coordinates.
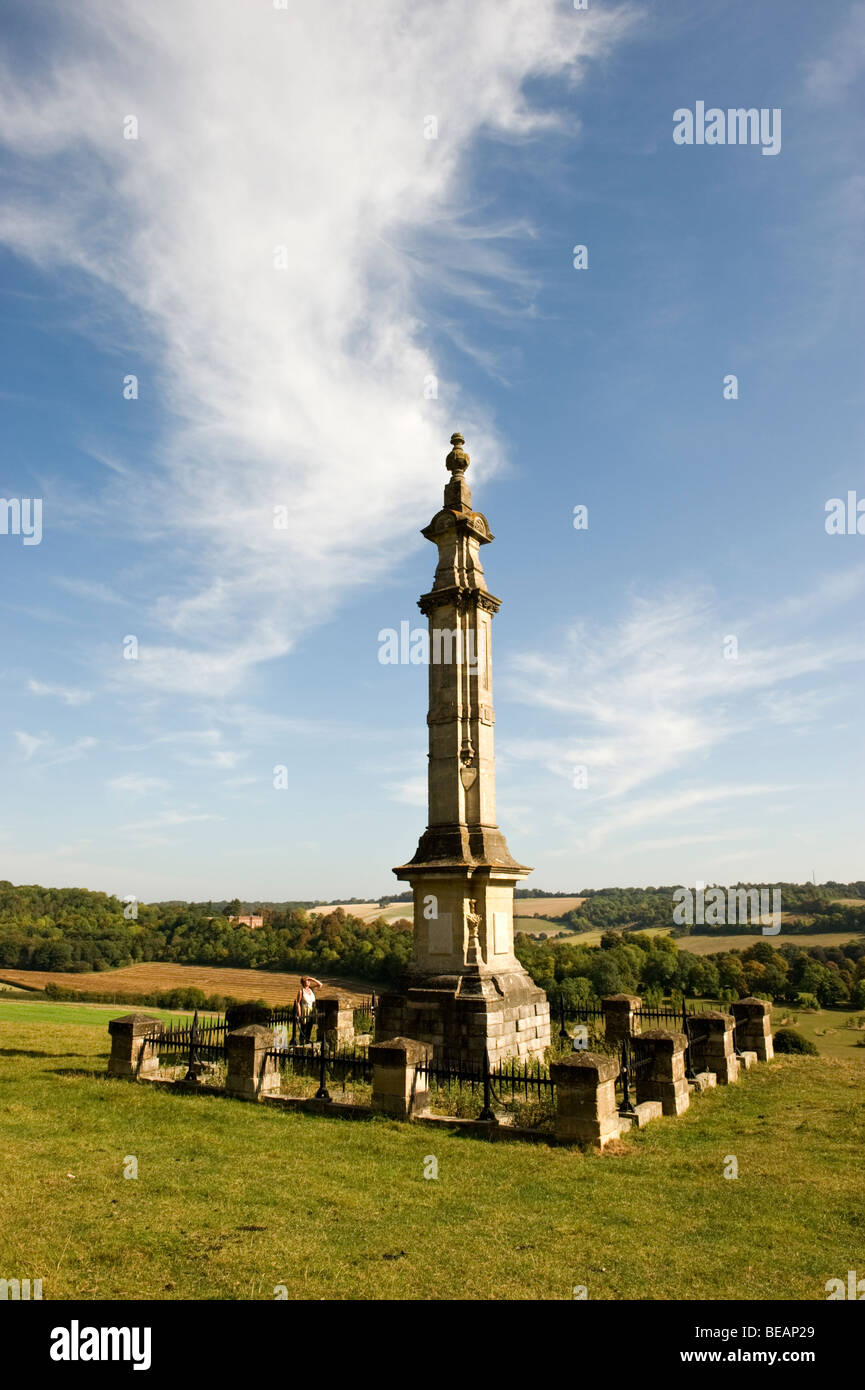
(169, 818)
(301, 387)
(652, 697)
(53, 756)
(68, 694)
(92, 592)
(411, 791)
(830, 76)
(137, 785)
(29, 743)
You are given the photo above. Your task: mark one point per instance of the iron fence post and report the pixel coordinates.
(689, 1070)
(323, 1093)
(626, 1108)
(194, 1066)
(487, 1112)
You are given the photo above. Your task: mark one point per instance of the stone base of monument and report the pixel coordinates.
(704, 1081)
(747, 1060)
(463, 1015)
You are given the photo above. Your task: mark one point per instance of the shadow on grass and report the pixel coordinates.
(74, 1071)
(35, 1052)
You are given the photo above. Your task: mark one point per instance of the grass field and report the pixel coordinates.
(232, 1199)
(45, 1013)
(827, 1028)
(697, 945)
(156, 975)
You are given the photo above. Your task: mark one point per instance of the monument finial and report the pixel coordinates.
(457, 460)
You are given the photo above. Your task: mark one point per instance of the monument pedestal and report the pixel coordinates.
(464, 990)
(509, 1017)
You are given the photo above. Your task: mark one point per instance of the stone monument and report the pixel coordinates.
(464, 989)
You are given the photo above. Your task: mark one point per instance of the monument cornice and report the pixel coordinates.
(463, 521)
(461, 596)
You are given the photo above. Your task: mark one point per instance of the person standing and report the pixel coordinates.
(304, 1005)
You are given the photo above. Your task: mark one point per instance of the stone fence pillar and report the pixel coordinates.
(662, 1075)
(129, 1054)
(396, 1089)
(251, 1073)
(754, 1027)
(586, 1098)
(712, 1047)
(619, 1020)
(335, 1021)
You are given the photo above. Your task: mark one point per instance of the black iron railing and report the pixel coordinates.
(173, 1044)
(507, 1083)
(340, 1064)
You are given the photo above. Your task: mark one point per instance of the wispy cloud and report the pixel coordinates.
(91, 591)
(652, 697)
(52, 754)
(411, 791)
(68, 694)
(292, 378)
(168, 819)
(29, 743)
(137, 785)
(842, 62)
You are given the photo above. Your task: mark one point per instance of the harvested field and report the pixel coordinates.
(545, 907)
(213, 979)
(368, 912)
(740, 941)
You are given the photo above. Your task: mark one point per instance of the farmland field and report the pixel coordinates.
(368, 912)
(274, 988)
(523, 907)
(545, 907)
(740, 941)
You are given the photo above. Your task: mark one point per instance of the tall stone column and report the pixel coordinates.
(464, 989)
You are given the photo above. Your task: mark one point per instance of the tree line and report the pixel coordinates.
(655, 967)
(75, 930)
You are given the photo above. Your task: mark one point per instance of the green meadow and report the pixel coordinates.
(233, 1200)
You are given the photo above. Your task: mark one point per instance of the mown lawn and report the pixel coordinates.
(232, 1199)
(834, 1032)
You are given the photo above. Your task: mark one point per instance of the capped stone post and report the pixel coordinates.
(619, 1016)
(396, 1089)
(335, 1021)
(712, 1045)
(663, 1075)
(130, 1054)
(251, 1072)
(754, 1027)
(586, 1098)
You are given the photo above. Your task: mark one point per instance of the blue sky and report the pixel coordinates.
(304, 387)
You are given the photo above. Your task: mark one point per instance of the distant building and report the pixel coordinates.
(248, 921)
